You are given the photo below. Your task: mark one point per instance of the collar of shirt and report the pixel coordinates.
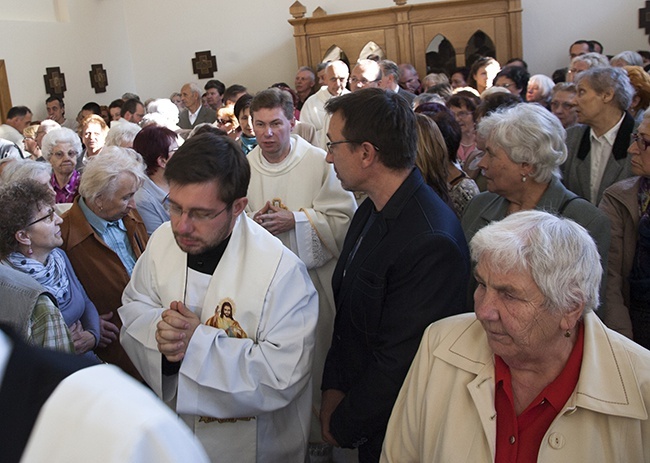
(519, 437)
(610, 136)
(207, 261)
(70, 187)
(99, 225)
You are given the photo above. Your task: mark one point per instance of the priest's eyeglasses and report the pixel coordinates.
(195, 215)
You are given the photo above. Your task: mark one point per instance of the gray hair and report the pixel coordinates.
(389, 68)
(627, 58)
(195, 88)
(611, 79)
(423, 98)
(24, 169)
(102, 171)
(528, 133)
(57, 136)
(559, 254)
(122, 134)
(564, 87)
(545, 84)
(592, 60)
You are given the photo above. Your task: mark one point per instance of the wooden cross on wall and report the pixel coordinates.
(98, 79)
(54, 81)
(205, 64)
(644, 18)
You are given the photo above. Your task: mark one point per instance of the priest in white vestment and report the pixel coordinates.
(294, 194)
(231, 310)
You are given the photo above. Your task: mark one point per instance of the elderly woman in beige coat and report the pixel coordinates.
(533, 375)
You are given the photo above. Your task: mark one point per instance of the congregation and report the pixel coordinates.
(367, 266)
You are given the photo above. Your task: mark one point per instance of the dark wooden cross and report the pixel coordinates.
(54, 81)
(98, 79)
(644, 18)
(205, 64)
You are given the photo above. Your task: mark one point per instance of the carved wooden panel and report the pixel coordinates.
(405, 31)
(5, 94)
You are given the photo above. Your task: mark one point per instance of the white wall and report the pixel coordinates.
(146, 45)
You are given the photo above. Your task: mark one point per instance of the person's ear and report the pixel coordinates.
(23, 237)
(239, 205)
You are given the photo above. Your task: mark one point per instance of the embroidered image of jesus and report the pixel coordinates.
(224, 318)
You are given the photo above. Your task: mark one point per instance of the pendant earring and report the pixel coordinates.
(30, 251)
(567, 334)
(523, 178)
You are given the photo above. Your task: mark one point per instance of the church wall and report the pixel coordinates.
(146, 45)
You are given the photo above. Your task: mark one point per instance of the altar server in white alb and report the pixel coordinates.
(295, 195)
(219, 316)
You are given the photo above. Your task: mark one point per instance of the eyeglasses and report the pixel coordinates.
(49, 217)
(565, 105)
(330, 144)
(505, 85)
(641, 142)
(195, 215)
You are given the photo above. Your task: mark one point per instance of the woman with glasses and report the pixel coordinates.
(156, 145)
(514, 79)
(103, 235)
(627, 203)
(61, 147)
(30, 239)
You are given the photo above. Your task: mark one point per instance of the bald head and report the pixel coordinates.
(336, 77)
(366, 74)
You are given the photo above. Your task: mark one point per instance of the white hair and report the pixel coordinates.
(592, 60)
(56, 137)
(102, 171)
(545, 84)
(560, 255)
(122, 134)
(24, 169)
(165, 108)
(528, 133)
(627, 58)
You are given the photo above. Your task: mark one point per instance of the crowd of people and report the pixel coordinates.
(368, 266)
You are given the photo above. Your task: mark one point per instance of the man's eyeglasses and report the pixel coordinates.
(330, 144)
(641, 142)
(49, 217)
(195, 215)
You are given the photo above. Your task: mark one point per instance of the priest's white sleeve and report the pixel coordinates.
(227, 377)
(140, 313)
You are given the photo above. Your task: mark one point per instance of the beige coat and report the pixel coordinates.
(445, 410)
(621, 205)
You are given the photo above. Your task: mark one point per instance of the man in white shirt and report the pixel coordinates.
(17, 119)
(313, 111)
(219, 316)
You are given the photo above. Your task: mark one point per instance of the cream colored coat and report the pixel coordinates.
(445, 410)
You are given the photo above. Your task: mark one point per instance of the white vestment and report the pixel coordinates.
(306, 184)
(259, 384)
(313, 111)
(100, 414)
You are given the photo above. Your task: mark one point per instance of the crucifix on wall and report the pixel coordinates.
(98, 79)
(54, 81)
(644, 18)
(205, 64)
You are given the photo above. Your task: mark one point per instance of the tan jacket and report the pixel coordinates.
(101, 271)
(445, 410)
(620, 203)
